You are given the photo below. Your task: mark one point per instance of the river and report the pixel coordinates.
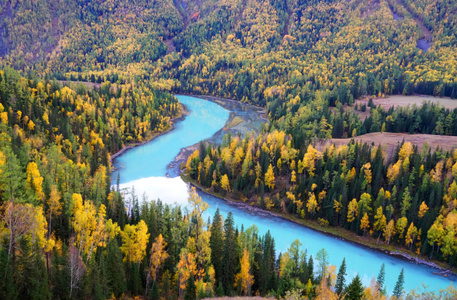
(145, 168)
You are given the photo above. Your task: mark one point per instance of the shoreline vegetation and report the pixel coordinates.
(154, 135)
(443, 269)
(342, 234)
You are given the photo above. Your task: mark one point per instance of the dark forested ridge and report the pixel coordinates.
(65, 234)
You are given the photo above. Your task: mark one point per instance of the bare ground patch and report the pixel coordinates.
(389, 141)
(399, 100)
(90, 85)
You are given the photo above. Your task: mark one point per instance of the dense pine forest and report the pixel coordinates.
(65, 232)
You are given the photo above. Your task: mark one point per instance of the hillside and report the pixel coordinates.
(256, 51)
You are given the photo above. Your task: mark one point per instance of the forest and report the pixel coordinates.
(81, 80)
(65, 233)
(408, 199)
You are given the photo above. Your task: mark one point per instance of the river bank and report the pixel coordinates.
(442, 269)
(243, 119)
(185, 112)
(145, 168)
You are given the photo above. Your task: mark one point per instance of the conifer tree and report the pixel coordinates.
(7, 287)
(398, 289)
(311, 268)
(340, 280)
(115, 269)
(354, 290)
(381, 277)
(31, 274)
(93, 288)
(230, 257)
(216, 242)
(155, 293)
(191, 289)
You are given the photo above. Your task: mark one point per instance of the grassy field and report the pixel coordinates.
(390, 141)
(400, 100)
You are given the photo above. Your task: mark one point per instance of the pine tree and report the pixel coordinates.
(340, 280)
(191, 289)
(381, 277)
(354, 291)
(7, 287)
(155, 293)
(92, 280)
(398, 290)
(216, 242)
(311, 268)
(220, 290)
(115, 269)
(230, 257)
(31, 274)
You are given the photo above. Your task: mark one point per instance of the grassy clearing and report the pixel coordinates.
(237, 120)
(389, 141)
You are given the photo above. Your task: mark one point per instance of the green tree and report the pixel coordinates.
(341, 278)
(216, 242)
(398, 289)
(354, 290)
(191, 290)
(31, 275)
(230, 256)
(322, 258)
(115, 269)
(381, 277)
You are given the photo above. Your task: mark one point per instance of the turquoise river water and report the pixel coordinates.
(145, 167)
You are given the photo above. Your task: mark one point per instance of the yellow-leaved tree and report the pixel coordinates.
(88, 224)
(244, 279)
(35, 180)
(352, 210)
(134, 241)
(186, 267)
(365, 223)
(270, 177)
(225, 184)
(158, 256)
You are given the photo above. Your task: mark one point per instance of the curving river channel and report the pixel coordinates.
(145, 168)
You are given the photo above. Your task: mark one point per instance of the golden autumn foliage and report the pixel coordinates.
(270, 177)
(244, 279)
(134, 242)
(352, 210)
(158, 256)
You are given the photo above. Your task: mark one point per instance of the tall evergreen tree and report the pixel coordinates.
(398, 289)
(32, 277)
(7, 287)
(216, 242)
(381, 277)
(115, 269)
(354, 290)
(341, 278)
(230, 259)
(59, 274)
(311, 268)
(154, 294)
(93, 287)
(191, 290)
